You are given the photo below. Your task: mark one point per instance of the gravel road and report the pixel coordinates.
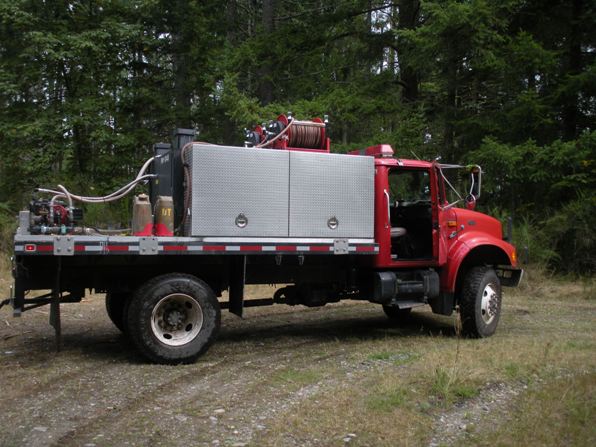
(98, 391)
(340, 375)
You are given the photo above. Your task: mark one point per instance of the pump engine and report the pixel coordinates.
(47, 217)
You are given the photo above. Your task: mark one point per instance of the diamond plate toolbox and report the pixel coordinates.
(331, 195)
(274, 193)
(239, 191)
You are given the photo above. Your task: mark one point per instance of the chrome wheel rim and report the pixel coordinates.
(176, 319)
(490, 303)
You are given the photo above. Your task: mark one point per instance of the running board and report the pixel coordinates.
(409, 304)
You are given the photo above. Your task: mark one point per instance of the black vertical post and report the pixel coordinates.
(162, 167)
(18, 292)
(181, 137)
(55, 305)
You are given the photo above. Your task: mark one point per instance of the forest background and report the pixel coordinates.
(87, 87)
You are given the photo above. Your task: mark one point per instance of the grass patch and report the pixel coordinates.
(465, 390)
(588, 288)
(580, 345)
(447, 386)
(297, 376)
(560, 412)
(397, 358)
(386, 401)
(513, 370)
(380, 356)
(378, 414)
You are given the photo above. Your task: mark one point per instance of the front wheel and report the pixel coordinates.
(173, 318)
(480, 302)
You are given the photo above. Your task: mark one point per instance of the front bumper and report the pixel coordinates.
(509, 276)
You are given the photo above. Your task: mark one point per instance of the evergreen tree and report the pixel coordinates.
(87, 86)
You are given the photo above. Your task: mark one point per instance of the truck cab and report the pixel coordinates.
(427, 243)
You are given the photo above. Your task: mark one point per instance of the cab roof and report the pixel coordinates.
(385, 156)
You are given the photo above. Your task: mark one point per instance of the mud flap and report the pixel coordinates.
(237, 278)
(443, 304)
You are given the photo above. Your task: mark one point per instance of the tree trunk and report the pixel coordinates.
(409, 11)
(450, 110)
(265, 86)
(180, 62)
(574, 67)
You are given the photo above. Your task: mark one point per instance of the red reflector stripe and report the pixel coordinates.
(117, 248)
(79, 248)
(250, 248)
(365, 248)
(214, 247)
(45, 248)
(319, 248)
(286, 248)
(175, 247)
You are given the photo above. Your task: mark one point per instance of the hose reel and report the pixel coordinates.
(287, 132)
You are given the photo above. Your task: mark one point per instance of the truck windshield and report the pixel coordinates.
(407, 186)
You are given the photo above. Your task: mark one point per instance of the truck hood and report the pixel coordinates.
(475, 221)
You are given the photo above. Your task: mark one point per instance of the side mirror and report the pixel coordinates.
(475, 182)
(470, 202)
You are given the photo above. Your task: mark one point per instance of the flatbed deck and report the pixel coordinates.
(72, 245)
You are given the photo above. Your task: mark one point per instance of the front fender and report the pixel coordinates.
(477, 248)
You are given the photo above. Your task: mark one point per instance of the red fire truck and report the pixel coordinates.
(367, 225)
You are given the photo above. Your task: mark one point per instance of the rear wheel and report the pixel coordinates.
(397, 314)
(480, 302)
(116, 303)
(173, 318)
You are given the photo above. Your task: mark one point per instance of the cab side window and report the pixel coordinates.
(408, 186)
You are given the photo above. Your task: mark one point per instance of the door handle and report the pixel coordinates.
(388, 224)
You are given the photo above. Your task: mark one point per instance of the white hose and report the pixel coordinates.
(68, 196)
(118, 194)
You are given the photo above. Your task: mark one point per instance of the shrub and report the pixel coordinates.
(8, 224)
(571, 233)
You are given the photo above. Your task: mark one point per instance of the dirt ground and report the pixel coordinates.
(338, 375)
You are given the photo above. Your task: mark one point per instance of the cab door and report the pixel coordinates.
(407, 226)
(445, 218)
